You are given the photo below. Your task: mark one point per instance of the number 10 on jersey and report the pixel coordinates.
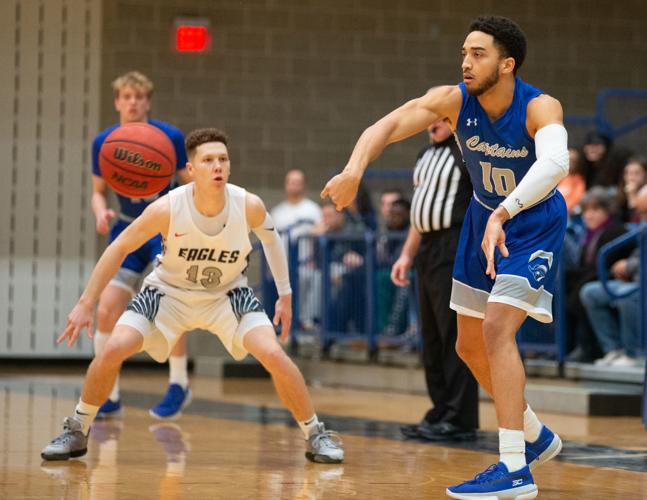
(497, 180)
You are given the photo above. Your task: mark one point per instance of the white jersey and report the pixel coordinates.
(300, 217)
(193, 260)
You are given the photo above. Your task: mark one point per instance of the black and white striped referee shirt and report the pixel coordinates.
(442, 189)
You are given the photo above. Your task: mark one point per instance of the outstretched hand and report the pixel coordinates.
(77, 320)
(494, 237)
(283, 315)
(342, 189)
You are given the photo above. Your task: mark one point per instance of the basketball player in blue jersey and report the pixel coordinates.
(515, 147)
(133, 92)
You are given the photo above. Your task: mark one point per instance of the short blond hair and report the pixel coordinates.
(134, 79)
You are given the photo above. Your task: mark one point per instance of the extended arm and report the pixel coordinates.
(154, 220)
(261, 224)
(407, 120)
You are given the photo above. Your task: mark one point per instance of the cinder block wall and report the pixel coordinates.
(294, 82)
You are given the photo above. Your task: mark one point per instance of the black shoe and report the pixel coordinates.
(410, 431)
(413, 430)
(446, 431)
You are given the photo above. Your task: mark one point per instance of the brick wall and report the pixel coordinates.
(294, 82)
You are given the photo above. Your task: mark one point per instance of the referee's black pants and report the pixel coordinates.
(451, 386)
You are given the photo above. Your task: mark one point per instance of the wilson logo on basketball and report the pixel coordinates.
(128, 181)
(135, 158)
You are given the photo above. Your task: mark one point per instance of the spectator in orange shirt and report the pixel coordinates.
(573, 185)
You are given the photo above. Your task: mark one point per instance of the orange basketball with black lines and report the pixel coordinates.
(137, 160)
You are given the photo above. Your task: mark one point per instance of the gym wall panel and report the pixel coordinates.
(51, 53)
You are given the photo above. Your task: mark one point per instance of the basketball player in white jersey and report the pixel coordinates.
(198, 283)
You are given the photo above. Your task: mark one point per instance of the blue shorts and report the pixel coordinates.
(135, 262)
(526, 278)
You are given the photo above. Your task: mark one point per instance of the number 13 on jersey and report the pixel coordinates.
(210, 276)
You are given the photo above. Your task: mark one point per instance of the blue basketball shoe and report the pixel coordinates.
(495, 483)
(547, 446)
(174, 401)
(109, 409)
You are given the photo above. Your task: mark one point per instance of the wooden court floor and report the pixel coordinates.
(236, 442)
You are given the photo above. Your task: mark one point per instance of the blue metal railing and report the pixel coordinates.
(630, 238)
(601, 119)
(353, 315)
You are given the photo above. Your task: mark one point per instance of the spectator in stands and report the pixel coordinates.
(573, 185)
(296, 212)
(634, 177)
(391, 301)
(360, 214)
(601, 226)
(602, 163)
(347, 300)
(387, 197)
(615, 321)
(294, 217)
(389, 242)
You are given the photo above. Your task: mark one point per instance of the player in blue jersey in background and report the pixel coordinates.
(133, 92)
(515, 148)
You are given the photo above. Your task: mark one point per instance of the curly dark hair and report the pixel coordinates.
(508, 36)
(201, 136)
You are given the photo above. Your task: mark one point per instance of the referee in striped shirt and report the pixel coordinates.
(442, 191)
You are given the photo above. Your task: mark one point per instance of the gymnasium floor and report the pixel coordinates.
(236, 442)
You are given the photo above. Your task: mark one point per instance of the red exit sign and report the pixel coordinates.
(192, 35)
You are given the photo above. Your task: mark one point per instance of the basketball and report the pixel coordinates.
(137, 160)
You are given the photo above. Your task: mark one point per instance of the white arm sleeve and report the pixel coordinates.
(551, 147)
(275, 254)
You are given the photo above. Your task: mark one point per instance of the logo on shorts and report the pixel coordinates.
(472, 121)
(540, 263)
(146, 303)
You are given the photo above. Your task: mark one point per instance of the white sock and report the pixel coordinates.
(85, 414)
(114, 394)
(310, 426)
(512, 449)
(178, 373)
(100, 339)
(531, 425)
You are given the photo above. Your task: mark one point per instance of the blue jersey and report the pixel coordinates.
(497, 154)
(133, 207)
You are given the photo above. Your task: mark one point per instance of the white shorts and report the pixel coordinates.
(162, 313)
